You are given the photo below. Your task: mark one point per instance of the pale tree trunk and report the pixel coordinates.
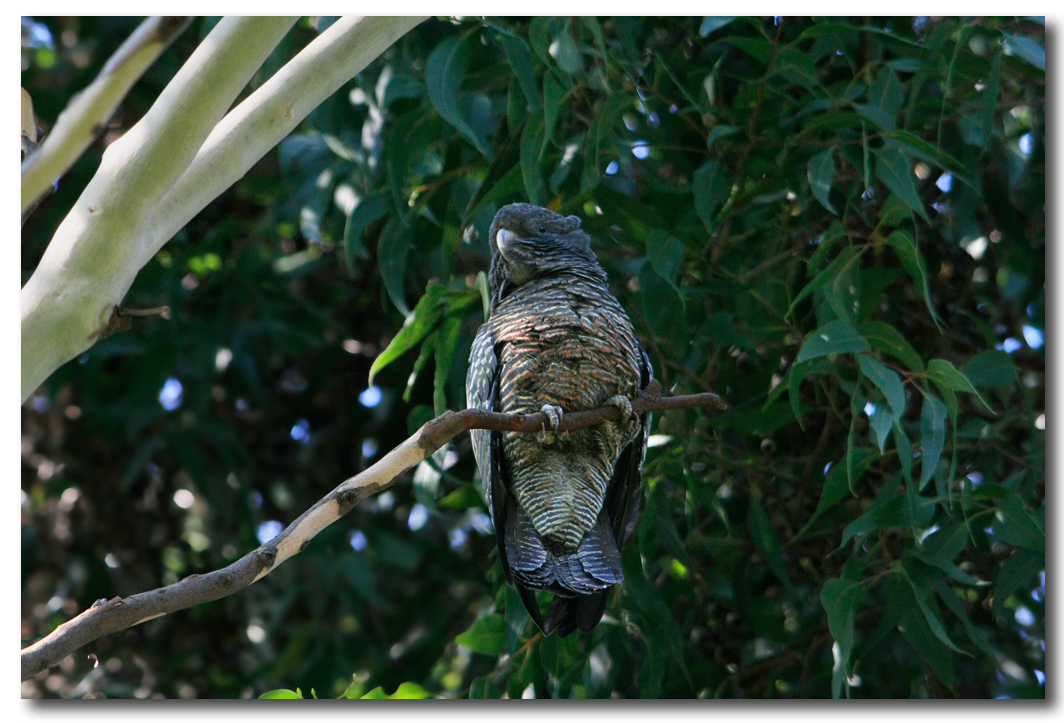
(172, 163)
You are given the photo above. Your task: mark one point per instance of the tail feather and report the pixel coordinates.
(581, 582)
(567, 615)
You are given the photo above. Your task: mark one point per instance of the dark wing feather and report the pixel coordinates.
(625, 490)
(482, 392)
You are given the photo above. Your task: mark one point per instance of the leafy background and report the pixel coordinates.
(838, 225)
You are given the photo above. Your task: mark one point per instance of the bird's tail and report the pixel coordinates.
(580, 581)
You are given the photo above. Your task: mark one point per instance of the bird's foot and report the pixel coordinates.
(624, 404)
(554, 415)
(629, 419)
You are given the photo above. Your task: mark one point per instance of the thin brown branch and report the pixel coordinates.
(110, 616)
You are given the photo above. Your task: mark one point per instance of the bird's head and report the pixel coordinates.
(528, 242)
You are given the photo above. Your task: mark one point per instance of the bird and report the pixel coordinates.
(556, 341)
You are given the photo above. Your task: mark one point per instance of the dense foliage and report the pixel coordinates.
(837, 226)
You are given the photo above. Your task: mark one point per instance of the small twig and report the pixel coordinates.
(110, 616)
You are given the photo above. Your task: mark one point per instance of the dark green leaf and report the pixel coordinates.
(713, 186)
(932, 436)
(835, 337)
(711, 23)
(992, 368)
(393, 248)
(840, 599)
(1016, 526)
(426, 316)
(488, 635)
(665, 253)
(893, 169)
(821, 174)
(766, 540)
(881, 421)
(884, 336)
(520, 59)
(911, 260)
(531, 150)
(1028, 49)
(888, 382)
(367, 210)
(930, 615)
(1017, 571)
(836, 485)
(942, 372)
(444, 72)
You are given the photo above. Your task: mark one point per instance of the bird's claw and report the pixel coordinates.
(554, 416)
(624, 404)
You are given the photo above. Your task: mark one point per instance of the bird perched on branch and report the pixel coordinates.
(557, 341)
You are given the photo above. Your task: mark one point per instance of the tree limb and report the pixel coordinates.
(269, 114)
(96, 252)
(94, 257)
(110, 616)
(90, 109)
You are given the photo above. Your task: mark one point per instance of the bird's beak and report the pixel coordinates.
(504, 237)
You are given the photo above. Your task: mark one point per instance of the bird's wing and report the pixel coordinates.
(482, 392)
(625, 489)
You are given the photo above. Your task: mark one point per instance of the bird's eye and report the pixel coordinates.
(543, 229)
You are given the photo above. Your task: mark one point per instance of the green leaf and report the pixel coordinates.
(990, 97)
(519, 57)
(932, 436)
(464, 498)
(511, 183)
(606, 119)
(885, 337)
(765, 539)
(905, 452)
(945, 374)
(282, 694)
(894, 512)
(711, 23)
(886, 94)
(837, 486)
(1019, 528)
(893, 169)
(405, 691)
(665, 253)
(930, 615)
(553, 92)
(531, 150)
(393, 248)
(841, 599)
(483, 688)
(905, 246)
(446, 348)
(835, 337)
(920, 148)
(882, 421)
(1016, 572)
(757, 48)
(488, 635)
(888, 382)
(367, 210)
(444, 72)
(417, 326)
(992, 368)
(568, 56)
(1027, 48)
(821, 172)
(661, 304)
(713, 185)
(978, 636)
